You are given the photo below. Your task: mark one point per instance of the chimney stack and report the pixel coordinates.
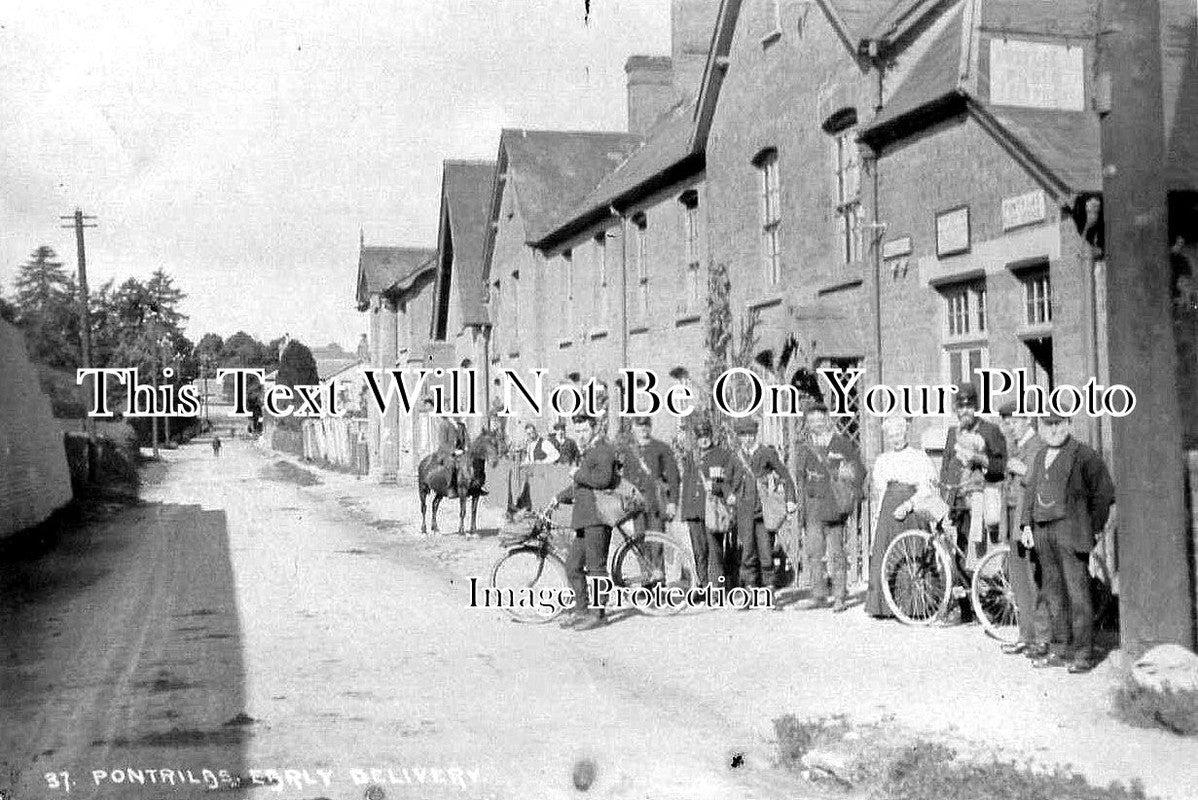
(651, 91)
(692, 23)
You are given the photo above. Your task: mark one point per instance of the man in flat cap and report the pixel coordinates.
(824, 461)
(756, 465)
(1023, 444)
(972, 473)
(566, 447)
(1066, 504)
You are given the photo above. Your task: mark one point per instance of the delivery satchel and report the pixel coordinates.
(773, 502)
(717, 517)
(619, 504)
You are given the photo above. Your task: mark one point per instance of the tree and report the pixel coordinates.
(46, 310)
(211, 346)
(297, 367)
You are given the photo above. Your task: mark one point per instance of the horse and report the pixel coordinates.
(433, 475)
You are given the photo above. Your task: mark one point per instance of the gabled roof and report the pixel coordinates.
(932, 80)
(1061, 149)
(886, 22)
(465, 202)
(552, 170)
(668, 155)
(384, 269)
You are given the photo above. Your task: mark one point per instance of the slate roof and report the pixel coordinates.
(1063, 148)
(1066, 143)
(466, 193)
(899, 18)
(381, 269)
(666, 147)
(331, 367)
(554, 170)
(932, 79)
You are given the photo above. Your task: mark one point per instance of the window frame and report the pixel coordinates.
(1032, 280)
(966, 316)
(770, 204)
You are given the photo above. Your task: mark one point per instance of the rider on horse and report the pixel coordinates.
(453, 443)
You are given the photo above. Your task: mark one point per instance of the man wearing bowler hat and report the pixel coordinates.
(755, 463)
(1066, 504)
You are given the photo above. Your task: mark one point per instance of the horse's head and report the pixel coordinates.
(486, 448)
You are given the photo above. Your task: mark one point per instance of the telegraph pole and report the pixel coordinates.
(1156, 599)
(78, 222)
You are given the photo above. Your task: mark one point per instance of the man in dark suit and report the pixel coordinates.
(756, 462)
(824, 457)
(1066, 505)
(566, 448)
(706, 469)
(650, 466)
(598, 469)
(1023, 444)
(972, 473)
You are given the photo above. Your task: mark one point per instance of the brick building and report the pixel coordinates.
(395, 287)
(459, 315)
(643, 227)
(539, 173)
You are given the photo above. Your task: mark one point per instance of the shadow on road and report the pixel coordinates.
(122, 659)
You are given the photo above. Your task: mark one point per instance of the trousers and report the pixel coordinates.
(587, 558)
(709, 552)
(1065, 583)
(756, 554)
(1022, 568)
(822, 539)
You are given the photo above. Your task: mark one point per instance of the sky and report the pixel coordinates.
(242, 145)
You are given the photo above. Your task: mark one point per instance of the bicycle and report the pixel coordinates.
(920, 578)
(534, 565)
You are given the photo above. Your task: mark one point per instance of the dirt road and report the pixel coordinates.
(234, 628)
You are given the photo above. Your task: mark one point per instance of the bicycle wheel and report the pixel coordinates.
(917, 578)
(993, 597)
(639, 565)
(528, 581)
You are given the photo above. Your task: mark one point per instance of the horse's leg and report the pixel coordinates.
(474, 515)
(436, 505)
(423, 491)
(462, 512)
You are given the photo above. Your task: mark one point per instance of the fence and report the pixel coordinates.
(339, 442)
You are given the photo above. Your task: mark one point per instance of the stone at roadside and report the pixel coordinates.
(835, 765)
(1167, 666)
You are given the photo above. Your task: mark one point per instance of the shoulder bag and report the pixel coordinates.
(618, 504)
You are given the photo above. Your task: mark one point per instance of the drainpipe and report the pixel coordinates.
(613, 402)
(876, 232)
(486, 332)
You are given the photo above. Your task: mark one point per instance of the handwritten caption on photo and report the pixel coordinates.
(279, 780)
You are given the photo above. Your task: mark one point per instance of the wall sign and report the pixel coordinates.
(1023, 209)
(1037, 75)
(897, 247)
(952, 232)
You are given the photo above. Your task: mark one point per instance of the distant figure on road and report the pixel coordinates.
(216, 446)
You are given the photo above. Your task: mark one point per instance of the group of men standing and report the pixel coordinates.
(1058, 497)
(1043, 491)
(733, 501)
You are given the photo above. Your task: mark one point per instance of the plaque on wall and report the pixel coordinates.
(897, 247)
(1023, 209)
(952, 231)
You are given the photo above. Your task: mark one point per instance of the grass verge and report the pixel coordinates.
(884, 763)
(1173, 710)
